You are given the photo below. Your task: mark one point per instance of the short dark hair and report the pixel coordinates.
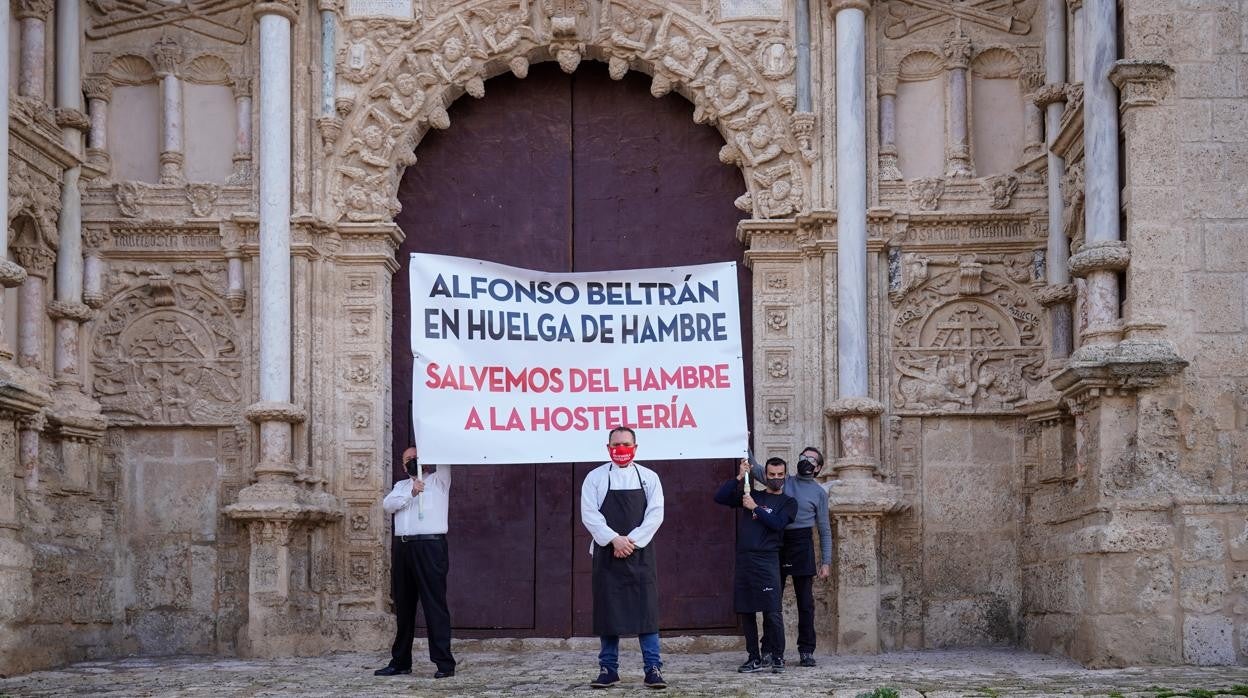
(777, 461)
(818, 454)
(619, 429)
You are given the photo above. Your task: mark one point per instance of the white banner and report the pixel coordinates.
(519, 366)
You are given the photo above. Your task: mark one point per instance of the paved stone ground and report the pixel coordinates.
(493, 671)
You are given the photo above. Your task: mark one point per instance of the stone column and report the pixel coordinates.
(68, 309)
(11, 275)
(1077, 43)
(889, 170)
(99, 91)
(242, 134)
(38, 261)
(1059, 292)
(93, 240)
(859, 494)
(274, 503)
(166, 55)
(1104, 253)
(329, 62)
(236, 293)
(1031, 80)
(33, 16)
(957, 51)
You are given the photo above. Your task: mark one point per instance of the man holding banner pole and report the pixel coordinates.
(420, 505)
(622, 507)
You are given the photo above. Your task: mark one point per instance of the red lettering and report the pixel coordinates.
(432, 371)
(474, 421)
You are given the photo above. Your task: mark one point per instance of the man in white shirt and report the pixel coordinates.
(622, 507)
(420, 510)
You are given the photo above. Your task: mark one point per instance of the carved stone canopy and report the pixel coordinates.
(407, 74)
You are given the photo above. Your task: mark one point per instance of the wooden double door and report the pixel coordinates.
(563, 173)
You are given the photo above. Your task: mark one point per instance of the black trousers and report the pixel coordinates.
(773, 633)
(419, 577)
(804, 590)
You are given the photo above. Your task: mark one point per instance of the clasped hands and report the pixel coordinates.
(624, 546)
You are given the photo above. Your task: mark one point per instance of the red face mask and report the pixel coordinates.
(622, 455)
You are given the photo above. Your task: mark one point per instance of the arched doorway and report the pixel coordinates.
(571, 173)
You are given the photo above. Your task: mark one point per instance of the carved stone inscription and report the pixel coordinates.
(966, 332)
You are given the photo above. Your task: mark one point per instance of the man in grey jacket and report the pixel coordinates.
(797, 555)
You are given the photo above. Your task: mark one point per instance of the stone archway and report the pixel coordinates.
(403, 76)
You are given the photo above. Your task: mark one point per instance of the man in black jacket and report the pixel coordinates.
(760, 532)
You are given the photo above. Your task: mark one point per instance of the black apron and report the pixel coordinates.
(756, 584)
(797, 556)
(626, 597)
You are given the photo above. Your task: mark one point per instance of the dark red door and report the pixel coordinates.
(570, 173)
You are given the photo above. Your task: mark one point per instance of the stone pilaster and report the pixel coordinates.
(167, 55)
(99, 92)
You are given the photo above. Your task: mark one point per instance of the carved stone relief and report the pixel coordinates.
(967, 332)
(224, 20)
(404, 76)
(165, 347)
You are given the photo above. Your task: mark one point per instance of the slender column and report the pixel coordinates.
(1031, 79)
(851, 198)
(67, 309)
(957, 50)
(241, 85)
(1104, 254)
(99, 91)
(167, 54)
(801, 35)
(236, 293)
(329, 63)
(1052, 99)
(889, 170)
(32, 314)
(33, 18)
(1077, 18)
(10, 274)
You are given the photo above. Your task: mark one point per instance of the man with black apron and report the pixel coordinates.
(622, 507)
(797, 554)
(760, 530)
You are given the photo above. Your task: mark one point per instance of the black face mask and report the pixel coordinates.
(412, 467)
(775, 483)
(807, 467)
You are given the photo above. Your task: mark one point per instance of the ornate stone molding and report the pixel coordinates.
(275, 412)
(853, 407)
(956, 48)
(37, 259)
(11, 275)
(835, 6)
(1051, 295)
(167, 55)
(1051, 93)
(1141, 83)
(72, 118)
(739, 80)
(32, 9)
(1110, 255)
(69, 310)
(285, 8)
(98, 87)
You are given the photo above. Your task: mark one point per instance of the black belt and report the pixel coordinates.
(421, 536)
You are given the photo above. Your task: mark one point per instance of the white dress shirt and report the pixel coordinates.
(594, 491)
(436, 505)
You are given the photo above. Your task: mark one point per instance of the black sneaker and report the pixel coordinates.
(654, 679)
(606, 677)
(751, 665)
(777, 665)
(808, 659)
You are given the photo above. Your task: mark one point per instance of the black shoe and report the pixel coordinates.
(765, 661)
(444, 673)
(391, 671)
(808, 659)
(777, 665)
(654, 679)
(606, 677)
(751, 665)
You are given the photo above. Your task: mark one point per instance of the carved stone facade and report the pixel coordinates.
(1061, 468)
